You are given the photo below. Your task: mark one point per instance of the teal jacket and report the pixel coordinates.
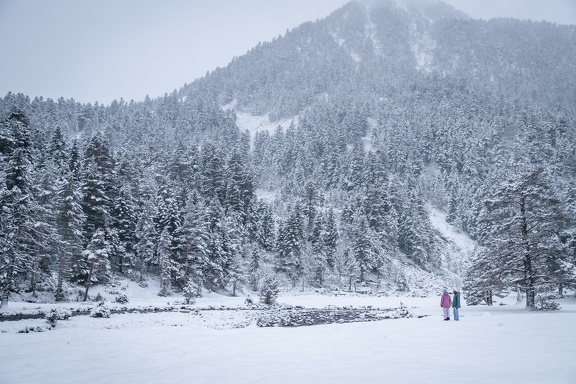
(456, 300)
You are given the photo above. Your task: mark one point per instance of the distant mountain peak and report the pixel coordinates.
(433, 10)
(378, 49)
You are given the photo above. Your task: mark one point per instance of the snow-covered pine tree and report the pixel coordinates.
(482, 278)
(522, 222)
(212, 173)
(264, 223)
(145, 233)
(74, 161)
(164, 261)
(168, 222)
(354, 175)
(58, 149)
(191, 292)
(363, 248)
(254, 270)
(43, 179)
(310, 204)
(318, 259)
(196, 237)
(97, 185)
(16, 202)
(351, 267)
(218, 252)
(236, 269)
(269, 290)
(123, 215)
(330, 238)
(290, 246)
(96, 262)
(69, 223)
(240, 195)
(414, 231)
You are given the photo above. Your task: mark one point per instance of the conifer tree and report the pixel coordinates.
(522, 222)
(363, 248)
(219, 253)
(414, 231)
(212, 174)
(310, 204)
(236, 268)
(351, 267)
(145, 233)
(269, 290)
(254, 269)
(16, 200)
(290, 246)
(74, 161)
(481, 279)
(264, 232)
(42, 179)
(319, 260)
(96, 261)
(165, 266)
(169, 217)
(196, 237)
(97, 185)
(240, 194)
(58, 150)
(124, 227)
(330, 238)
(69, 223)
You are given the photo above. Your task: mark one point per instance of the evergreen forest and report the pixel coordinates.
(377, 114)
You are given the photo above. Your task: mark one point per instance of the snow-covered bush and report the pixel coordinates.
(122, 299)
(400, 313)
(402, 283)
(269, 291)
(544, 303)
(190, 292)
(33, 329)
(99, 298)
(100, 310)
(57, 314)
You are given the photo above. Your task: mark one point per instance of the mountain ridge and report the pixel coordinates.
(324, 53)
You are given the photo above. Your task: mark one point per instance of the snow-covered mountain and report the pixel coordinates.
(369, 50)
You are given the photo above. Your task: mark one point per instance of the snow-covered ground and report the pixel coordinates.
(499, 344)
(458, 246)
(257, 123)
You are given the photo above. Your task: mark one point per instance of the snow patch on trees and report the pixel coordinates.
(257, 123)
(458, 247)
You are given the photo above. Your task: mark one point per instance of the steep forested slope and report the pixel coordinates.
(393, 108)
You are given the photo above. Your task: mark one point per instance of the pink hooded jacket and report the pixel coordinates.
(445, 301)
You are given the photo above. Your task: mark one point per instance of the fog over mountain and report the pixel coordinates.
(371, 123)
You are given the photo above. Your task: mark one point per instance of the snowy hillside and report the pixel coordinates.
(458, 247)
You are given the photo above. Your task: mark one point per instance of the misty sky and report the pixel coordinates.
(110, 49)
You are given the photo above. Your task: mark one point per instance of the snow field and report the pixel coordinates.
(500, 344)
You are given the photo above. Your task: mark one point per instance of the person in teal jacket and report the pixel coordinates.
(456, 304)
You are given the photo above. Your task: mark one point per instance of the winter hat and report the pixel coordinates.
(445, 290)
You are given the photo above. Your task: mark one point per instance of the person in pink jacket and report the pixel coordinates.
(446, 303)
